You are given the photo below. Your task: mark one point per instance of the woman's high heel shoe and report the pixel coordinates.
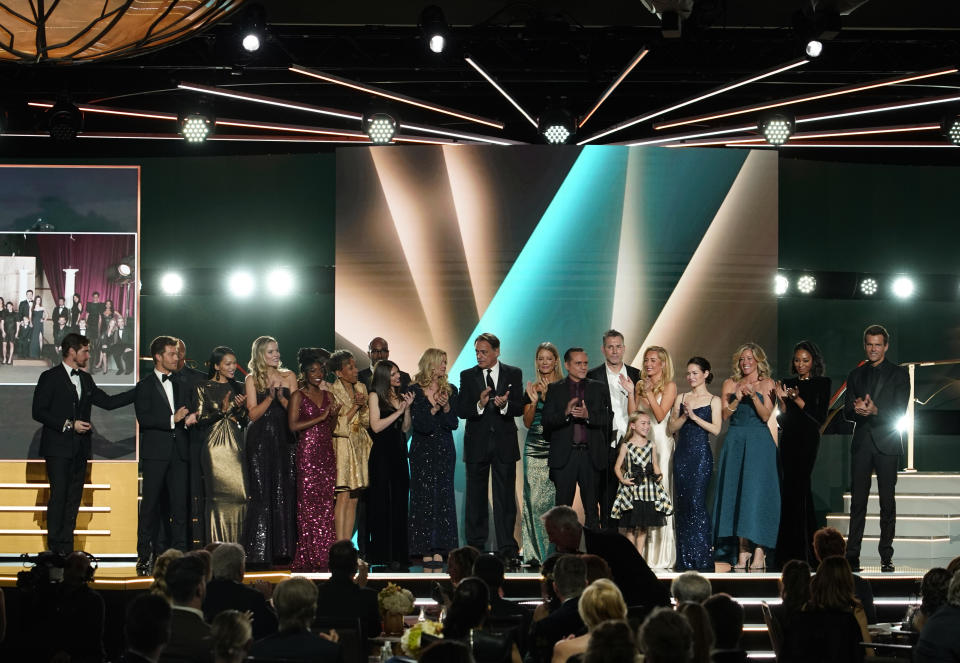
(759, 564)
(743, 562)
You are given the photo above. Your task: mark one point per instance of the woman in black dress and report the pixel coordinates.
(76, 309)
(37, 315)
(9, 319)
(803, 402)
(389, 477)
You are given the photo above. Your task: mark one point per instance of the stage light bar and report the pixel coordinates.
(806, 284)
(394, 96)
(813, 96)
(280, 282)
(903, 287)
(613, 86)
(692, 100)
(246, 96)
(241, 284)
(506, 95)
(868, 286)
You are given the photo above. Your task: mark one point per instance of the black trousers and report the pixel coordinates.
(476, 520)
(197, 523)
(163, 480)
(864, 461)
(386, 502)
(66, 476)
(579, 470)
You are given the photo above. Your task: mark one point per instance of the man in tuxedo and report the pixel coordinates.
(227, 592)
(638, 584)
(345, 595)
(62, 401)
(190, 639)
(146, 628)
(569, 581)
(378, 350)
(164, 452)
(620, 380)
(60, 310)
(189, 378)
(576, 423)
(95, 309)
(25, 304)
(491, 396)
(877, 395)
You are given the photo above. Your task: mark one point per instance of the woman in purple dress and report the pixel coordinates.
(313, 414)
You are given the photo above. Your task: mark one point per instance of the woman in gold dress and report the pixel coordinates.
(221, 415)
(351, 441)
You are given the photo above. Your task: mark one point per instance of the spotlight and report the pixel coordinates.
(280, 282)
(780, 284)
(195, 127)
(806, 284)
(904, 423)
(380, 127)
(951, 128)
(251, 42)
(814, 48)
(868, 286)
(776, 129)
(123, 269)
(556, 125)
(64, 120)
(171, 283)
(902, 287)
(240, 284)
(433, 26)
(253, 29)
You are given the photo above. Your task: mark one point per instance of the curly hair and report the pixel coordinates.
(763, 366)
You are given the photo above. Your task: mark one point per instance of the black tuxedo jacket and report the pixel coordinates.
(158, 441)
(891, 396)
(296, 645)
(190, 639)
(490, 431)
(24, 310)
(341, 598)
(223, 594)
(558, 427)
(189, 379)
(637, 583)
(563, 621)
(61, 310)
(600, 375)
(55, 401)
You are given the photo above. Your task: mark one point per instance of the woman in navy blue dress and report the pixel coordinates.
(433, 515)
(696, 415)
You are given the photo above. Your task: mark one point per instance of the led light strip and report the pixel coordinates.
(678, 137)
(506, 95)
(848, 89)
(839, 133)
(460, 134)
(879, 108)
(712, 93)
(394, 96)
(613, 86)
(260, 99)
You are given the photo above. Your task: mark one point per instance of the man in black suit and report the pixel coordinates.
(638, 584)
(378, 350)
(146, 627)
(62, 402)
(296, 600)
(190, 639)
(877, 396)
(60, 309)
(569, 581)
(576, 423)
(491, 397)
(344, 597)
(164, 452)
(489, 568)
(25, 305)
(620, 380)
(189, 378)
(227, 592)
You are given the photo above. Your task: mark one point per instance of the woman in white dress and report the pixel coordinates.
(655, 394)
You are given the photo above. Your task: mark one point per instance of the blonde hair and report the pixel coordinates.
(552, 349)
(666, 375)
(633, 417)
(429, 361)
(763, 367)
(600, 601)
(257, 366)
(163, 560)
(231, 632)
(296, 602)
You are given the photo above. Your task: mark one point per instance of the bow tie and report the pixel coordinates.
(73, 372)
(164, 378)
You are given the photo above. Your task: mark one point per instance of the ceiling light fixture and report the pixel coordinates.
(556, 125)
(394, 96)
(692, 100)
(64, 120)
(380, 127)
(835, 92)
(951, 128)
(613, 86)
(433, 26)
(814, 48)
(195, 127)
(776, 129)
(506, 95)
(868, 286)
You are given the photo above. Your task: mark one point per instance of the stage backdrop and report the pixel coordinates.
(671, 247)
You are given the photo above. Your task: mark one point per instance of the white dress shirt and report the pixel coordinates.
(495, 376)
(619, 401)
(168, 390)
(75, 379)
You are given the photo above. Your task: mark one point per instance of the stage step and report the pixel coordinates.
(914, 504)
(908, 525)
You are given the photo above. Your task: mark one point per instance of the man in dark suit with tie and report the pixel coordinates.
(491, 397)
(164, 451)
(576, 423)
(62, 402)
(378, 350)
(25, 304)
(877, 396)
(620, 379)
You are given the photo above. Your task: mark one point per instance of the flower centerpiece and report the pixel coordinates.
(394, 602)
(410, 642)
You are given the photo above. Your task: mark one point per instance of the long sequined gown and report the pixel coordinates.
(222, 460)
(433, 514)
(317, 478)
(693, 467)
(270, 528)
(747, 498)
(660, 549)
(388, 493)
(799, 441)
(539, 493)
(351, 441)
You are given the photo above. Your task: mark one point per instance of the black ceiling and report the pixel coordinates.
(558, 53)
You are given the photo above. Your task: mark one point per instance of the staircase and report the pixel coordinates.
(928, 518)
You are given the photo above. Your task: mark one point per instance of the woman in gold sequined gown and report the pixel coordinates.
(351, 442)
(221, 415)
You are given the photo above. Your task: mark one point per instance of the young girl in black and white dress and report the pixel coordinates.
(641, 501)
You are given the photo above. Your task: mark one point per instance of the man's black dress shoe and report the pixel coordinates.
(143, 567)
(855, 565)
(886, 566)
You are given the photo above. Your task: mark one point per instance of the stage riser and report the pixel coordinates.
(913, 504)
(939, 483)
(937, 526)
